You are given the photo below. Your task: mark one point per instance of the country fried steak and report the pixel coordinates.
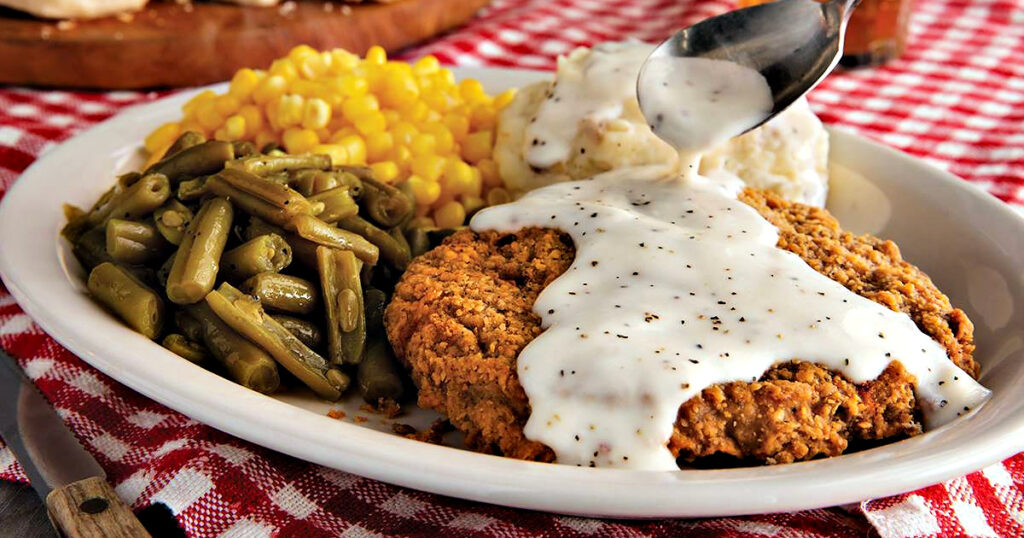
(462, 313)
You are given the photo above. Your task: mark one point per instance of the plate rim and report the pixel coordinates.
(481, 477)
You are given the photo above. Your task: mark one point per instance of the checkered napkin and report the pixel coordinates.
(956, 99)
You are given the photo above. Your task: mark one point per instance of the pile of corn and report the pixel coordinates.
(412, 123)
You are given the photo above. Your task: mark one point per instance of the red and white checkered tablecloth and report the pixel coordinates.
(956, 99)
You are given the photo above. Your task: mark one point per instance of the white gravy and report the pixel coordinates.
(697, 103)
(677, 286)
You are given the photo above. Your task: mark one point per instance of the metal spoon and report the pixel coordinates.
(792, 43)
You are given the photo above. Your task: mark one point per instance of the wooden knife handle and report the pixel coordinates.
(91, 509)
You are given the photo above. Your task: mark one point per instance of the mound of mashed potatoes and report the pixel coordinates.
(593, 124)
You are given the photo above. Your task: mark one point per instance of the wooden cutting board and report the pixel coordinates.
(172, 45)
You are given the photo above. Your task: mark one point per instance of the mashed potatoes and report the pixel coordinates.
(587, 121)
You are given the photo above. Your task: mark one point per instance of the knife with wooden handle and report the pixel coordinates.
(78, 498)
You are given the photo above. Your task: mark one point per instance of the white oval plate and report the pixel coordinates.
(969, 242)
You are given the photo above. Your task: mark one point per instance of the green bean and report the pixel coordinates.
(348, 309)
(244, 148)
(164, 272)
(393, 252)
(338, 204)
(310, 182)
(91, 248)
(245, 315)
(197, 260)
(321, 233)
(302, 250)
(184, 348)
(271, 148)
(270, 164)
(339, 275)
(172, 219)
(304, 330)
(385, 204)
(374, 301)
(283, 293)
(275, 194)
(339, 378)
(193, 189)
(186, 140)
(117, 289)
(245, 362)
(124, 202)
(250, 203)
(134, 242)
(266, 253)
(199, 160)
(378, 374)
(418, 241)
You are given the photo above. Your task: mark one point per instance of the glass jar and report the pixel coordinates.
(877, 31)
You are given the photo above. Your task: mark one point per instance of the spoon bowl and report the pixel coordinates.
(793, 44)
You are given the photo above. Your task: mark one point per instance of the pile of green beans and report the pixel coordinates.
(246, 262)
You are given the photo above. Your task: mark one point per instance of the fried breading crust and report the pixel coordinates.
(462, 313)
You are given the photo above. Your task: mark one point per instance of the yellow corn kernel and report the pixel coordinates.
(429, 167)
(207, 116)
(477, 146)
(284, 68)
(458, 125)
(372, 122)
(297, 140)
(243, 83)
(221, 134)
(234, 127)
(504, 98)
(317, 114)
(400, 89)
(226, 105)
(437, 99)
(498, 196)
(343, 60)
(404, 132)
(376, 55)
(263, 138)
(484, 118)
(378, 145)
(352, 85)
(425, 192)
(305, 88)
(299, 52)
(459, 178)
(323, 134)
(423, 144)
(391, 117)
(489, 173)
(445, 78)
(162, 137)
(253, 119)
(416, 112)
(426, 65)
(385, 171)
(450, 215)
(204, 95)
(310, 65)
(359, 106)
(445, 140)
(472, 204)
(402, 157)
(269, 88)
(290, 111)
(356, 148)
(338, 154)
(471, 90)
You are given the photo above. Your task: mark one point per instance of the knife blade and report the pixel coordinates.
(69, 480)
